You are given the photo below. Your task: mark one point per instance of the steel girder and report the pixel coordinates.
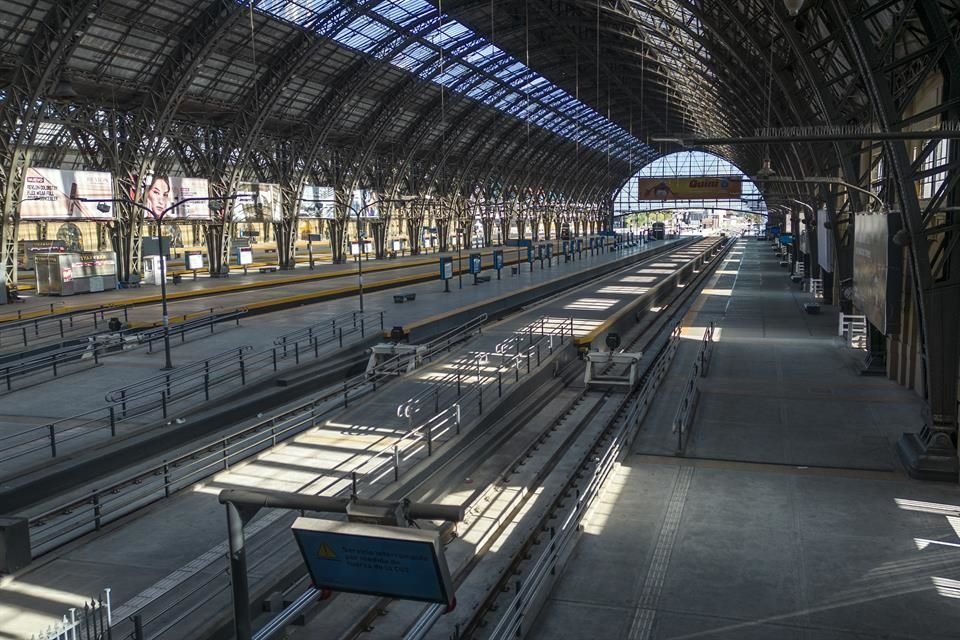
(141, 137)
(934, 449)
(33, 78)
(252, 115)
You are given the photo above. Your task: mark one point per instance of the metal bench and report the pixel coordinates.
(400, 297)
(267, 269)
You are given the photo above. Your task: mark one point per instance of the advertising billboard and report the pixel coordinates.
(690, 188)
(161, 192)
(876, 271)
(318, 202)
(258, 202)
(53, 194)
(364, 202)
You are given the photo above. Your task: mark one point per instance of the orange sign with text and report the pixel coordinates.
(692, 188)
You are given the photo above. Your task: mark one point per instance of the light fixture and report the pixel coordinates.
(63, 90)
(793, 6)
(766, 171)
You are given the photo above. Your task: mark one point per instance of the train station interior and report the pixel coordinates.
(463, 319)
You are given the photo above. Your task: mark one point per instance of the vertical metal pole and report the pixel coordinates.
(238, 573)
(113, 422)
(360, 260)
(396, 463)
(163, 299)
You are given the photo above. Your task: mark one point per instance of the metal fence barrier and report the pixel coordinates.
(91, 622)
(159, 395)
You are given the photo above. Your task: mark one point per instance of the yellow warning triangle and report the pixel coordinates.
(326, 552)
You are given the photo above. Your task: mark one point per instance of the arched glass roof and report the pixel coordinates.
(469, 64)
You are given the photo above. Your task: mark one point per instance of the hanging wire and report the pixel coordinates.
(526, 28)
(253, 55)
(766, 147)
(443, 113)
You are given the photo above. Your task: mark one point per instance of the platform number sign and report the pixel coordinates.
(498, 259)
(475, 266)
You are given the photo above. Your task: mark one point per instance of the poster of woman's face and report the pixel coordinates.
(157, 197)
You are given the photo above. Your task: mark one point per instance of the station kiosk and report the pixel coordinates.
(65, 274)
(151, 270)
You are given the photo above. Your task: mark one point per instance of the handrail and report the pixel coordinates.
(439, 425)
(453, 335)
(153, 334)
(565, 532)
(16, 366)
(62, 323)
(441, 422)
(245, 367)
(332, 325)
(126, 393)
(691, 390)
(77, 515)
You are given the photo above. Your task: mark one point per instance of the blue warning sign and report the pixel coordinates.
(375, 560)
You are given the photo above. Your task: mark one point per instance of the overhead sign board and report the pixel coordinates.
(365, 204)
(258, 202)
(877, 265)
(52, 194)
(318, 202)
(691, 188)
(162, 192)
(377, 560)
(824, 242)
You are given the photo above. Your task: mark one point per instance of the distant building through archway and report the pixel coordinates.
(691, 190)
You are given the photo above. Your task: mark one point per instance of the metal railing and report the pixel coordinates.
(376, 469)
(853, 328)
(472, 376)
(527, 591)
(815, 287)
(182, 382)
(20, 333)
(91, 622)
(209, 321)
(159, 395)
(691, 389)
(25, 365)
(326, 332)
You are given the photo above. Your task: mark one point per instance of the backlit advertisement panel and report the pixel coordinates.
(692, 188)
(876, 271)
(364, 203)
(162, 192)
(258, 202)
(54, 194)
(318, 202)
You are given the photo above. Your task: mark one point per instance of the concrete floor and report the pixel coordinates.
(788, 518)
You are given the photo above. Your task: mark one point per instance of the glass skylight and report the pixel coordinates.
(471, 66)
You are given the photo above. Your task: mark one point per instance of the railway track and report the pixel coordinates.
(553, 452)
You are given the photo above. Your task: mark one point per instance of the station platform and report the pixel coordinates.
(140, 559)
(244, 289)
(788, 515)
